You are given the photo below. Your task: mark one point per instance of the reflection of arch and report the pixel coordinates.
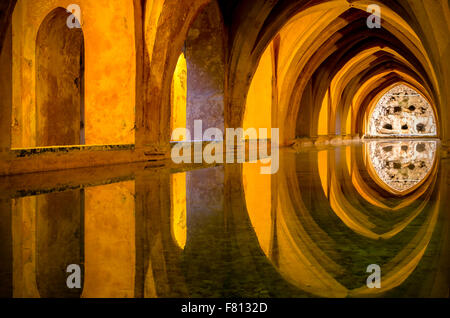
(303, 238)
(361, 183)
(417, 165)
(59, 241)
(197, 91)
(93, 228)
(59, 82)
(357, 217)
(157, 271)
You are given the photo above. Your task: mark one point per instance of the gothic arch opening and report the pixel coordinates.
(59, 82)
(318, 71)
(402, 112)
(198, 81)
(178, 98)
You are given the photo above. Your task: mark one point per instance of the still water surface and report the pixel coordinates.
(311, 230)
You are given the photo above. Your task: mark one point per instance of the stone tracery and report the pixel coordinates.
(402, 165)
(402, 112)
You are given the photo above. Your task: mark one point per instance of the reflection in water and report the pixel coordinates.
(329, 220)
(401, 165)
(310, 230)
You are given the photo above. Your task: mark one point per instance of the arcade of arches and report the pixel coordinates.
(86, 121)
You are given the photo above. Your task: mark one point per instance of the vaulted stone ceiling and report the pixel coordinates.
(402, 112)
(341, 54)
(323, 53)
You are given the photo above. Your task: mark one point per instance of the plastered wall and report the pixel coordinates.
(110, 64)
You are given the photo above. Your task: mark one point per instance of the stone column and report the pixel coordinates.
(205, 58)
(6, 260)
(6, 92)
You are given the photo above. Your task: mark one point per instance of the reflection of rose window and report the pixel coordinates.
(402, 112)
(402, 166)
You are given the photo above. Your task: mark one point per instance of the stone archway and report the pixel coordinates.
(59, 82)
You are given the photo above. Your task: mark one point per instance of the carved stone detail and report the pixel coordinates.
(402, 164)
(402, 112)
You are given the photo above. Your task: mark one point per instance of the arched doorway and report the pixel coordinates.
(59, 82)
(198, 80)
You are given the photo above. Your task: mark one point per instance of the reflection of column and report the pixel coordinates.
(6, 259)
(59, 233)
(252, 245)
(204, 252)
(301, 260)
(157, 270)
(109, 241)
(24, 247)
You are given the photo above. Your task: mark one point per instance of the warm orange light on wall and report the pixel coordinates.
(258, 109)
(110, 249)
(323, 169)
(179, 95)
(257, 189)
(323, 117)
(178, 208)
(110, 70)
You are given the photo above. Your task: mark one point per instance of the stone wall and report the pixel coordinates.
(110, 69)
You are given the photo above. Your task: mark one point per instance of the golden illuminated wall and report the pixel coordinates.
(259, 206)
(258, 109)
(108, 28)
(178, 208)
(179, 94)
(324, 116)
(109, 241)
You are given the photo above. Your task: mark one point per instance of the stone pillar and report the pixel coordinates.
(6, 260)
(155, 65)
(157, 270)
(6, 92)
(206, 70)
(206, 230)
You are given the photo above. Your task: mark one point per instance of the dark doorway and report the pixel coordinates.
(59, 82)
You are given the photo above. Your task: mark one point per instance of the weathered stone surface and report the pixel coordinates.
(110, 70)
(402, 112)
(205, 55)
(59, 94)
(402, 165)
